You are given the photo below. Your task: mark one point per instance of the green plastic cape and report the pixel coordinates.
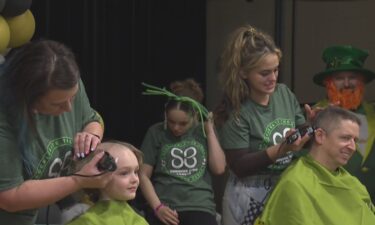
(111, 213)
(309, 194)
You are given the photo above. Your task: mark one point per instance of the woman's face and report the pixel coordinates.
(125, 180)
(56, 101)
(262, 79)
(178, 121)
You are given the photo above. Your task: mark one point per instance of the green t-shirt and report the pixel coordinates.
(111, 213)
(309, 194)
(180, 175)
(257, 128)
(50, 148)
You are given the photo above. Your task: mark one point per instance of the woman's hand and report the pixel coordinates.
(88, 177)
(296, 145)
(84, 143)
(311, 112)
(167, 215)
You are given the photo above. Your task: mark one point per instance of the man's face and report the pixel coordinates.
(347, 80)
(339, 144)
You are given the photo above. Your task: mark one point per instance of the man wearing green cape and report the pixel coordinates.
(316, 189)
(345, 79)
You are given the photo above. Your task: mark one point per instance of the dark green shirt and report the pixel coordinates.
(50, 148)
(257, 127)
(180, 174)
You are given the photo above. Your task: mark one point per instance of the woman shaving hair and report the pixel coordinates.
(45, 118)
(256, 114)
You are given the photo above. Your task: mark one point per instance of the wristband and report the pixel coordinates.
(157, 208)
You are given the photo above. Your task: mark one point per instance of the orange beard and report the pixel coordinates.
(347, 98)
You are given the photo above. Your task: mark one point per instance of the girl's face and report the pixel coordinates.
(262, 79)
(56, 101)
(178, 121)
(125, 181)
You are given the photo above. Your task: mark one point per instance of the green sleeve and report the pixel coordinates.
(83, 108)
(235, 133)
(11, 166)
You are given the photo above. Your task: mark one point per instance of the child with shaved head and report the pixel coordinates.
(110, 203)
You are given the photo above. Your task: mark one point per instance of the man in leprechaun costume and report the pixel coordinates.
(344, 79)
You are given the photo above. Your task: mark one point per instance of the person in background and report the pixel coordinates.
(44, 114)
(316, 189)
(180, 155)
(254, 117)
(344, 79)
(110, 202)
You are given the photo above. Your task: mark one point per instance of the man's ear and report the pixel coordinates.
(319, 135)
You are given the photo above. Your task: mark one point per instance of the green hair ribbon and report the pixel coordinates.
(203, 112)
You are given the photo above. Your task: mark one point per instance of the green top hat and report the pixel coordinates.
(344, 58)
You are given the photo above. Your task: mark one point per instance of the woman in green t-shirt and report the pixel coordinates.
(255, 116)
(45, 118)
(179, 156)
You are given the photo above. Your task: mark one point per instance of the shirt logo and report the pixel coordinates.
(274, 134)
(185, 160)
(56, 160)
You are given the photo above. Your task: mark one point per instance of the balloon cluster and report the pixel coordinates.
(17, 23)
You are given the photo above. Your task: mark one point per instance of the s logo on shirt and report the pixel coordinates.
(185, 160)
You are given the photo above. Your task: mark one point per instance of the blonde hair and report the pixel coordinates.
(244, 52)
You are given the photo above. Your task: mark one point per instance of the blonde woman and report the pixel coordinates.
(255, 116)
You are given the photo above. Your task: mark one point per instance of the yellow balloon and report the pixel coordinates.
(4, 34)
(21, 28)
